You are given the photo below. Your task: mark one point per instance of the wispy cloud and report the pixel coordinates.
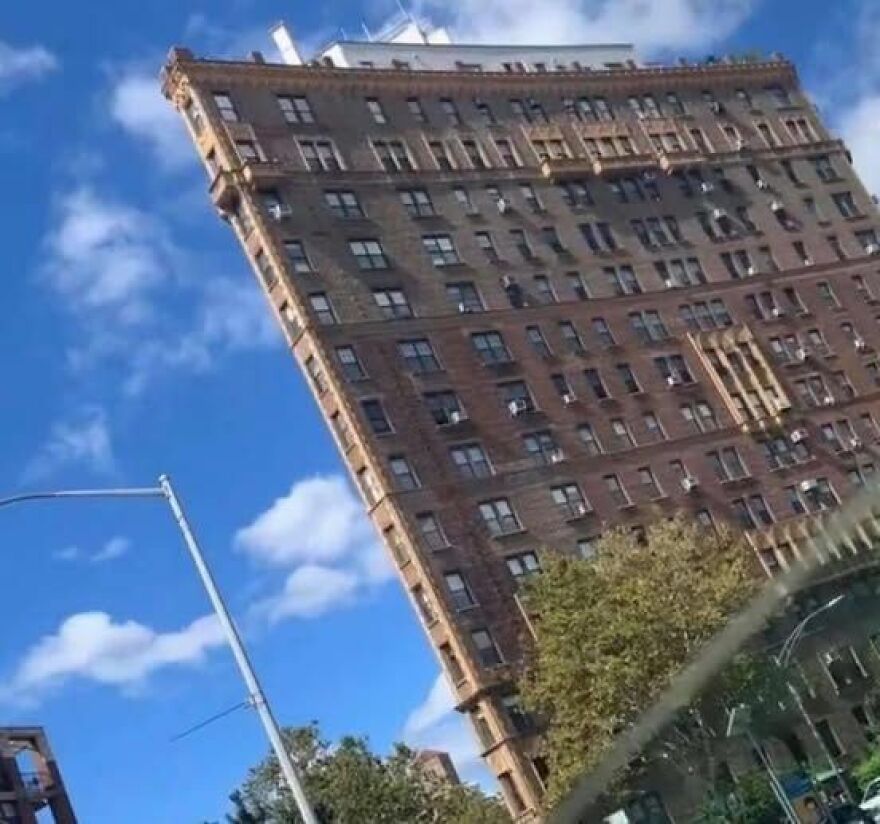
(82, 440)
(20, 65)
(318, 531)
(92, 646)
(138, 106)
(115, 548)
(652, 25)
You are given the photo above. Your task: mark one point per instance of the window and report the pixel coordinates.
(779, 95)
(596, 384)
(417, 202)
(589, 439)
(295, 109)
(459, 594)
(829, 737)
(523, 565)
(530, 198)
(499, 517)
(226, 107)
(575, 195)
(474, 154)
(541, 447)
(521, 242)
(350, 364)
(487, 244)
(570, 501)
(673, 369)
(543, 290)
(824, 169)
(516, 397)
(415, 109)
(322, 308)
(431, 531)
(320, 155)
(444, 407)
(578, 285)
(376, 417)
(490, 348)
(648, 326)
(418, 356)
(265, 268)
(598, 237)
(374, 107)
(621, 436)
(441, 250)
(487, 651)
(699, 416)
(316, 374)
(248, 151)
(603, 333)
(623, 280)
(296, 256)
(344, 204)
(465, 296)
(368, 254)
(537, 341)
(342, 430)
(450, 661)
(616, 491)
(727, 464)
(846, 204)
(484, 110)
(752, 512)
(471, 461)
(653, 428)
(509, 157)
(404, 476)
(648, 483)
(392, 303)
(562, 387)
(463, 198)
(570, 335)
(393, 155)
(628, 378)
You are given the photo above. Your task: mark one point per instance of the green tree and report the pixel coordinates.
(752, 802)
(612, 632)
(349, 784)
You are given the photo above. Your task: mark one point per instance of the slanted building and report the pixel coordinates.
(540, 291)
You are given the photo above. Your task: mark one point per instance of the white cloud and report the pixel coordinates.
(115, 548)
(138, 106)
(320, 532)
(652, 25)
(68, 553)
(91, 646)
(22, 65)
(860, 128)
(83, 439)
(435, 725)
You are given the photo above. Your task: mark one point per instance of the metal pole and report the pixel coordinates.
(255, 691)
(775, 783)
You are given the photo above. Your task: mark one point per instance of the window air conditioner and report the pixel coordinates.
(689, 484)
(855, 443)
(578, 509)
(508, 281)
(673, 380)
(777, 206)
(719, 214)
(568, 398)
(828, 400)
(517, 407)
(777, 312)
(457, 416)
(502, 205)
(556, 456)
(706, 187)
(799, 435)
(762, 184)
(860, 344)
(752, 270)
(808, 485)
(279, 211)
(800, 354)
(873, 249)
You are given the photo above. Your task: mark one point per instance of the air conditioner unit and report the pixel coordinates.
(579, 509)
(777, 206)
(556, 456)
(855, 443)
(464, 309)
(689, 484)
(706, 187)
(279, 211)
(668, 283)
(873, 249)
(649, 175)
(741, 143)
(641, 115)
(800, 354)
(808, 485)
(777, 312)
(799, 435)
(828, 400)
(752, 270)
(716, 107)
(719, 214)
(457, 416)
(508, 281)
(673, 380)
(860, 344)
(762, 184)
(568, 398)
(502, 205)
(517, 407)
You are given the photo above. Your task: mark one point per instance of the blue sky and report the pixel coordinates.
(137, 343)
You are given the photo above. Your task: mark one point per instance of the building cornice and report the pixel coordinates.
(181, 64)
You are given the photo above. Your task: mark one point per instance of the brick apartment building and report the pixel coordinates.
(30, 781)
(539, 291)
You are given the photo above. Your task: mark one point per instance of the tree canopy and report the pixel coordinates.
(349, 784)
(613, 631)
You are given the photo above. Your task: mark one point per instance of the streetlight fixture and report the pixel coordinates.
(783, 659)
(256, 697)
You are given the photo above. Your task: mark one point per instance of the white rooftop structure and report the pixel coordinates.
(413, 45)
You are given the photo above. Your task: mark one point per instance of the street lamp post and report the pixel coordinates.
(256, 696)
(783, 659)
